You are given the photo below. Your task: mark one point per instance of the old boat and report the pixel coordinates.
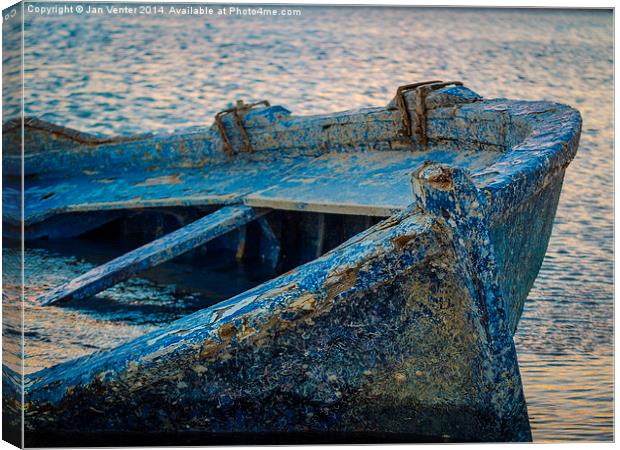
(405, 239)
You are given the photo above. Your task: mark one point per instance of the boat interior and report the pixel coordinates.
(136, 199)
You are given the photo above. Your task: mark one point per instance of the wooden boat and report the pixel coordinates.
(407, 238)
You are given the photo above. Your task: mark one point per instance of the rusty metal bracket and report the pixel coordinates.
(401, 103)
(236, 111)
(422, 89)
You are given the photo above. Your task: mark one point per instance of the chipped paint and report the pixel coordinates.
(414, 314)
(163, 180)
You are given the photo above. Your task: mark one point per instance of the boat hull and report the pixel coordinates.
(403, 332)
(388, 344)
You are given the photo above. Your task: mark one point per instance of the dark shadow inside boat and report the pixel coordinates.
(206, 275)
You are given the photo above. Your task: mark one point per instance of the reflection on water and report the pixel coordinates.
(570, 396)
(129, 74)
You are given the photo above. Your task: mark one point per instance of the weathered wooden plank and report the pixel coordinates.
(97, 191)
(153, 253)
(365, 183)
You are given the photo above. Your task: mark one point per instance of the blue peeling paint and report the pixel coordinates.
(415, 314)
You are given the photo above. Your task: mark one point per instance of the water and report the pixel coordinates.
(122, 75)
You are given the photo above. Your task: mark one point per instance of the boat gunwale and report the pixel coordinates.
(522, 170)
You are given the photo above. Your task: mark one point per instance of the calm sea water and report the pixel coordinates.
(121, 75)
